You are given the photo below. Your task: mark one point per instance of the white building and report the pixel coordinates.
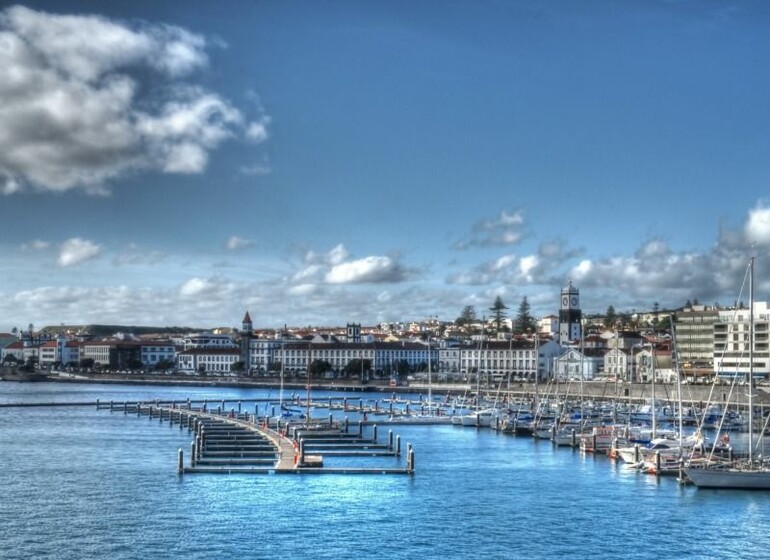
(575, 364)
(153, 352)
(217, 361)
(731, 342)
(207, 340)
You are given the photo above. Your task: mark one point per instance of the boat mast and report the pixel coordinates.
(751, 360)
(309, 368)
(678, 383)
(430, 384)
(654, 404)
(283, 361)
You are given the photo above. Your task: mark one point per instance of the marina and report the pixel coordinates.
(63, 462)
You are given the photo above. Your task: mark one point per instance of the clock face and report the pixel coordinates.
(574, 301)
(564, 302)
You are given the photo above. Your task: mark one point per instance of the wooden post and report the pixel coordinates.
(374, 433)
(390, 440)
(637, 454)
(192, 454)
(302, 451)
(360, 429)
(180, 462)
(347, 424)
(398, 446)
(657, 461)
(331, 421)
(410, 459)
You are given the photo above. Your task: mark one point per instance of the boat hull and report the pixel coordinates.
(754, 479)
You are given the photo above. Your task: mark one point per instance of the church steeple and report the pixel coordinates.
(248, 326)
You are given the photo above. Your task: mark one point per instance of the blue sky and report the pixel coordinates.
(315, 163)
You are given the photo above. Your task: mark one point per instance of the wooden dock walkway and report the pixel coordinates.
(241, 443)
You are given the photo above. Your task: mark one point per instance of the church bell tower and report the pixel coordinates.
(247, 333)
(570, 316)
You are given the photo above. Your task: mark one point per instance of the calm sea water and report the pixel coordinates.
(81, 483)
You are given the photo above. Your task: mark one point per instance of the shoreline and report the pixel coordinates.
(637, 392)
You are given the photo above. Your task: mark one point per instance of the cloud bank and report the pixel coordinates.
(84, 100)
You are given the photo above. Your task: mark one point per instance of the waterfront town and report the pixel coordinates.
(698, 344)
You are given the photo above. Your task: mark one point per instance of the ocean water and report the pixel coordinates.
(84, 483)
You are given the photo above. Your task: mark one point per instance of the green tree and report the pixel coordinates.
(274, 367)
(610, 317)
(319, 367)
(164, 365)
(467, 318)
(498, 310)
(357, 366)
(133, 363)
(87, 363)
(237, 367)
(524, 321)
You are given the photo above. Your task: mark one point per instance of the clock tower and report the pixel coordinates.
(247, 334)
(570, 316)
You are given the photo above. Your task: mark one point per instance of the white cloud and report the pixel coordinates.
(75, 251)
(136, 256)
(757, 227)
(504, 262)
(257, 169)
(236, 243)
(503, 230)
(528, 264)
(302, 289)
(197, 287)
(333, 257)
(313, 271)
(80, 105)
(35, 245)
(366, 270)
(257, 131)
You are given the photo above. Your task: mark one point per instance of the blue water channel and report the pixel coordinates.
(79, 482)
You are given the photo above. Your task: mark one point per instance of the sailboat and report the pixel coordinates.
(751, 473)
